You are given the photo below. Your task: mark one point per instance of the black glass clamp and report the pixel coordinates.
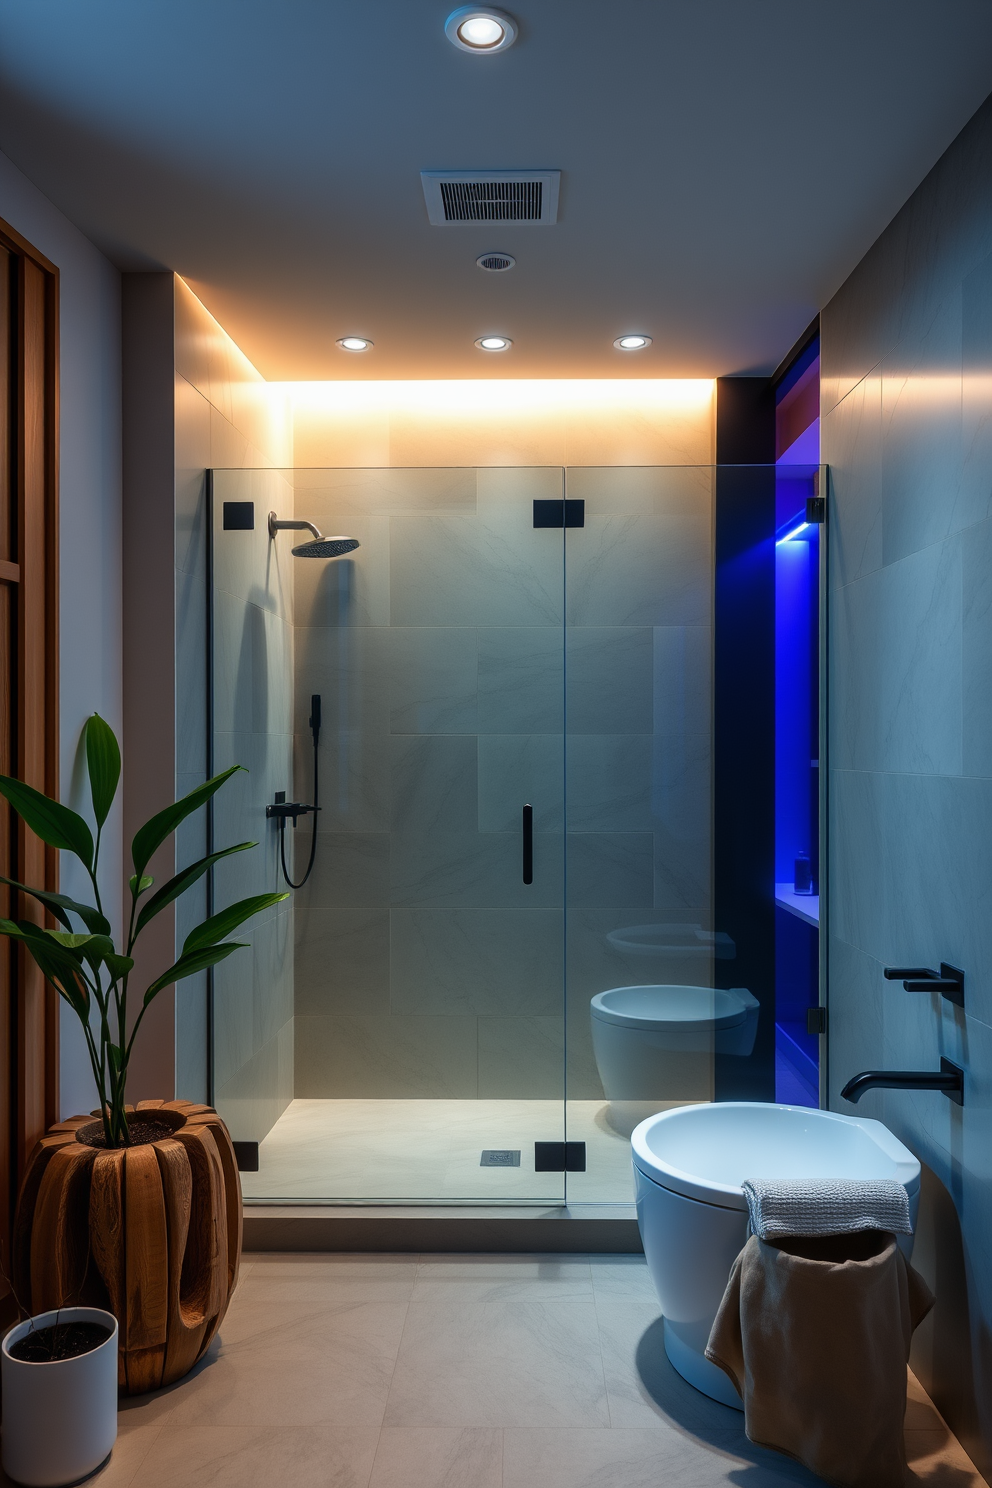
(948, 981)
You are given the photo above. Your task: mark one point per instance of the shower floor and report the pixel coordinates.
(422, 1150)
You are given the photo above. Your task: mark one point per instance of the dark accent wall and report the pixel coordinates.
(906, 415)
(744, 717)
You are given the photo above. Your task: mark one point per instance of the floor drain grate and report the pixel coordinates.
(500, 1157)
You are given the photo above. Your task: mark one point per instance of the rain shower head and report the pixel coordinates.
(321, 547)
(326, 547)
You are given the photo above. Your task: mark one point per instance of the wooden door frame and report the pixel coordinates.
(29, 1008)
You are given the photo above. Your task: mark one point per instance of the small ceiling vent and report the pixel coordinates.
(464, 198)
(496, 263)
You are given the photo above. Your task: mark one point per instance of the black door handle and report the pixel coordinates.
(528, 844)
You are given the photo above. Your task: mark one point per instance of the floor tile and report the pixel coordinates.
(622, 1276)
(498, 1364)
(481, 1278)
(937, 1460)
(642, 1387)
(438, 1457)
(231, 1457)
(333, 1367)
(637, 1459)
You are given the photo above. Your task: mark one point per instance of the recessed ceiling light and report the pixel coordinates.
(476, 28)
(632, 343)
(355, 343)
(493, 343)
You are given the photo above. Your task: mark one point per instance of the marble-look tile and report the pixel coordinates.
(364, 1055)
(610, 684)
(501, 1278)
(976, 648)
(609, 782)
(851, 445)
(351, 871)
(228, 1456)
(272, 977)
(432, 680)
(636, 1458)
(517, 1363)
(640, 570)
(341, 961)
(474, 870)
(348, 666)
(622, 1276)
(683, 682)
(331, 1368)
(438, 1457)
(610, 869)
(523, 1057)
(234, 677)
(895, 698)
(458, 571)
(330, 496)
(515, 769)
(643, 490)
(491, 961)
(521, 671)
(921, 438)
(434, 783)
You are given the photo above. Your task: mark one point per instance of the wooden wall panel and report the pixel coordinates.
(29, 736)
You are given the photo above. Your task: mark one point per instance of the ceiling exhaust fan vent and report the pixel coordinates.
(463, 198)
(496, 263)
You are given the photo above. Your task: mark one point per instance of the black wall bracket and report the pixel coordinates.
(559, 1157)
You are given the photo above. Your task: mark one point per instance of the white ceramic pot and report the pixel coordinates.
(59, 1419)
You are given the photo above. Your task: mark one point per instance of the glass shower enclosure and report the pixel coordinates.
(501, 703)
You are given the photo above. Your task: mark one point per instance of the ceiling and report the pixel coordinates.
(725, 164)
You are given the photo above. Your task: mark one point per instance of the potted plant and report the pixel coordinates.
(138, 1210)
(59, 1375)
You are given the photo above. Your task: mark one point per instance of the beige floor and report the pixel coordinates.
(456, 1372)
(419, 1150)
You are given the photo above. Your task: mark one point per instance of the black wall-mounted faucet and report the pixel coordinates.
(948, 981)
(949, 1078)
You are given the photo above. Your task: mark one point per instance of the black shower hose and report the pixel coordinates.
(313, 834)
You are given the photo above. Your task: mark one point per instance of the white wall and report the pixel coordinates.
(90, 536)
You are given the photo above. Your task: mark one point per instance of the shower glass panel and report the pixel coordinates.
(543, 897)
(406, 1041)
(639, 751)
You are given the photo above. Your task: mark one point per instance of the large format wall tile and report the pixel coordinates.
(387, 1058)
(522, 1058)
(516, 769)
(434, 783)
(640, 570)
(473, 571)
(485, 961)
(342, 961)
(610, 683)
(852, 431)
(433, 680)
(521, 671)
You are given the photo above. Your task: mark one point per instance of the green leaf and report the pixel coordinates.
(103, 763)
(226, 920)
(60, 903)
(118, 966)
(49, 820)
(188, 966)
(150, 837)
(182, 881)
(139, 885)
(58, 964)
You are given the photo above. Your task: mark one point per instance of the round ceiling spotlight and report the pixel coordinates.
(632, 343)
(478, 28)
(496, 263)
(354, 343)
(494, 343)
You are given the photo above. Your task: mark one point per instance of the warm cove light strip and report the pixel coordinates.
(481, 397)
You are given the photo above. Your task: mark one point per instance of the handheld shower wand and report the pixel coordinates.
(295, 809)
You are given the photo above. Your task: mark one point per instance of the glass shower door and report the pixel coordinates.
(425, 1057)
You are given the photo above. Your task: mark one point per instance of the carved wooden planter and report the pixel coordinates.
(152, 1233)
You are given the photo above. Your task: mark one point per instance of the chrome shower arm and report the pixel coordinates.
(277, 524)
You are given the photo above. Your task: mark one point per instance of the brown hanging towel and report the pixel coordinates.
(815, 1331)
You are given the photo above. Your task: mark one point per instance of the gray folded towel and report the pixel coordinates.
(829, 1207)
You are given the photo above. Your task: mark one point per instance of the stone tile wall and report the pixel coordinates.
(907, 432)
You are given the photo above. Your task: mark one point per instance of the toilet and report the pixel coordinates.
(689, 1164)
(656, 1043)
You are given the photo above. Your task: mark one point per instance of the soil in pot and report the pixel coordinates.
(140, 1132)
(60, 1341)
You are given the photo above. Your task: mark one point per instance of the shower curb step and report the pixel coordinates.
(581, 1228)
